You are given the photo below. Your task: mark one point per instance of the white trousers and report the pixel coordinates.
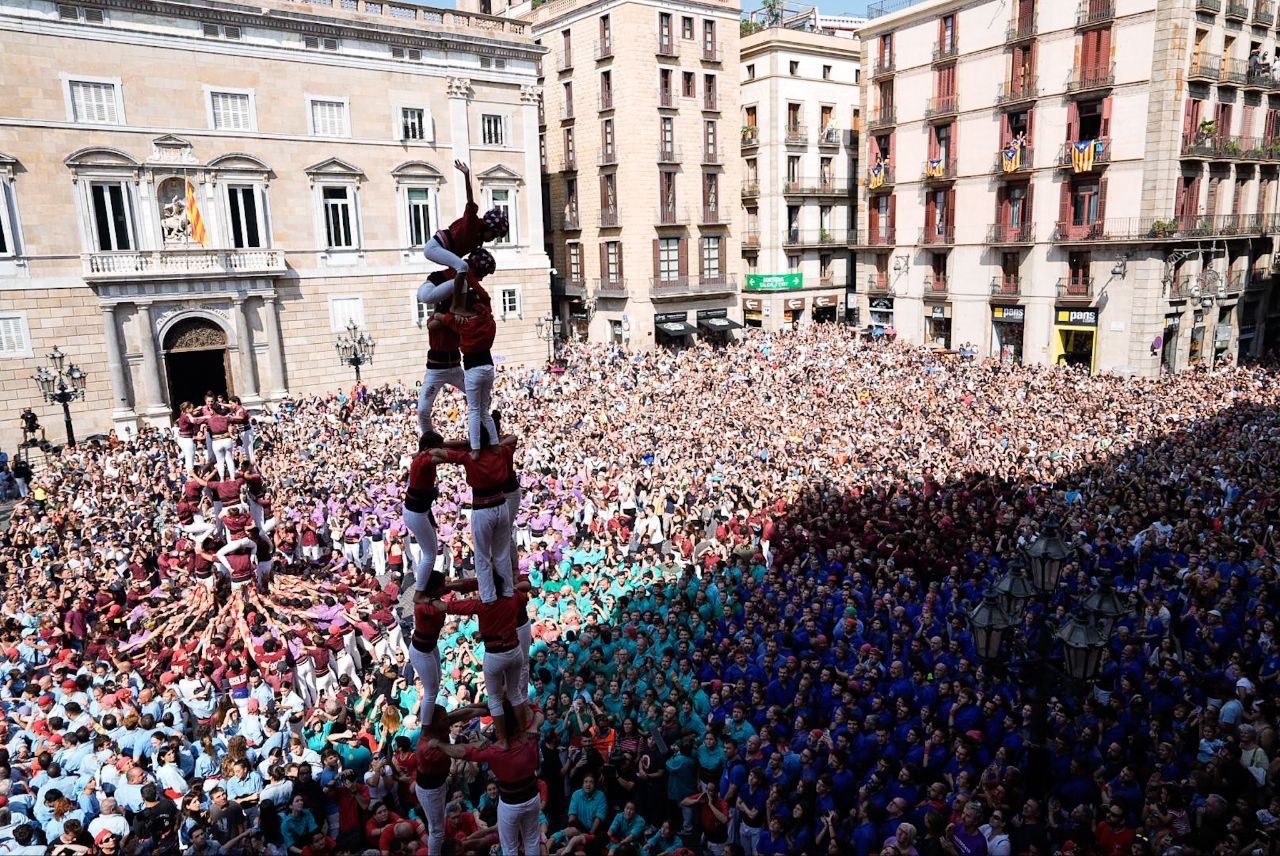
(513, 510)
(502, 679)
(525, 632)
(438, 254)
(419, 523)
(479, 388)
(434, 381)
(378, 555)
(224, 453)
(343, 664)
(354, 553)
(426, 665)
(247, 441)
(491, 540)
(187, 445)
(304, 680)
(432, 802)
(198, 530)
(518, 828)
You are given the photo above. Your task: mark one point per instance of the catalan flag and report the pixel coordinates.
(1011, 158)
(198, 231)
(1082, 155)
(934, 169)
(877, 177)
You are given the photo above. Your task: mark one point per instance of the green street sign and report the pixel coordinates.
(774, 281)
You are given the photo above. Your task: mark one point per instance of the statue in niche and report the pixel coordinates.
(174, 223)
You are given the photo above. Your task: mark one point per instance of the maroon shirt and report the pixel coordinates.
(515, 768)
(422, 483)
(464, 235)
(475, 333)
(487, 473)
(498, 620)
(227, 491)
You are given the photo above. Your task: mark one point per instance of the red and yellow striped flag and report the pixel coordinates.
(198, 231)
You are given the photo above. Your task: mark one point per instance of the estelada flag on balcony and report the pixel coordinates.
(1011, 158)
(198, 232)
(1082, 155)
(934, 169)
(877, 177)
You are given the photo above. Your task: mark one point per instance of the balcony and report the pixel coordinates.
(822, 186)
(710, 103)
(668, 153)
(711, 53)
(945, 53)
(669, 215)
(106, 267)
(1091, 78)
(666, 99)
(886, 179)
(1075, 289)
(1011, 234)
(1205, 67)
(750, 188)
(712, 156)
(566, 61)
(668, 49)
(830, 136)
(566, 112)
(814, 238)
(608, 157)
(606, 101)
(568, 162)
(1235, 72)
(562, 287)
(1183, 287)
(935, 286)
(1144, 230)
(880, 238)
(1237, 10)
(611, 288)
(750, 136)
(938, 236)
(796, 135)
(1237, 282)
(882, 118)
(608, 218)
(1016, 92)
(681, 286)
(1020, 31)
(1094, 12)
(1101, 155)
(751, 241)
(1211, 7)
(604, 49)
(1005, 287)
(570, 221)
(938, 170)
(1264, 13)
(942, 107)
(714, 215)
(1019, 164)
(882, 67)
(878, 283)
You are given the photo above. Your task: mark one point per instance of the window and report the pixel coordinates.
(1084, 203)
(709, 37)
(568, 99)
(419, 202)
(510, 302)
(606, 90)
(345, 310)
(664, 28)
(709, 89)
(668, 259)
(753, 170)
(667, 129)
(664, 86)
(231, 111)
(570, 153)
(793, 221)
(612, 261)
(246, 217)
(793, 67)
(7, 239)
(413, 123)
(606, 139)
(686, 27)
(571, 199)
(609, 193)
(711, 259)
(606, 34)
(709, 136)
(794, 115)
(112, 217)
(947, 34)
(667, 189)
(793, 169)
(339, 218)
(493, 130)
(711, 192)
(574, 251)
(15, 338)
(1078, 264)
(793, 263)
(751, 71)
(96, 102)
(566, 48)
(688, 85)
(826, 72)
(329, 118)
(503, 198)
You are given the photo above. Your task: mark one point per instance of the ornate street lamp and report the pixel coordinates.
(1046, 556)
(1105, 606)
(990, 622)
(1083, 642)
(355, 349)
(548, 329)
(1015, 590)
(62, 386)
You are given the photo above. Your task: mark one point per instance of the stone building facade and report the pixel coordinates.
(315, 141)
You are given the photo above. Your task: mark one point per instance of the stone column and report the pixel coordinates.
(248, 380)
(121, 411)
(531, 217)
(156, 409)
(275, 352)
(459, 89)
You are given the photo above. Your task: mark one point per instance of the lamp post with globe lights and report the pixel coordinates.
(355, 349)
(548, 329)
(62, 384)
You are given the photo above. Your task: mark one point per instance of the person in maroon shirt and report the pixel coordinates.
(466, 234)
(419, 493)
(514, 763)
(476, 330)
(490, 522)
(218, 424)
(503, 656)
(186, 428)
(444, 357)
(432, 775)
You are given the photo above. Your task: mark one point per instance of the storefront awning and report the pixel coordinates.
(675, 328)
(718, 325)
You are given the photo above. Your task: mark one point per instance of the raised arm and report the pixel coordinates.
(466, 180)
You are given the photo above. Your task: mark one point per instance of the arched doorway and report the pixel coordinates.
(196, 361)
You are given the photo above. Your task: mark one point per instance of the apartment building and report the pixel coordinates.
(640, 167)
(1041, 193)
(799, 145)
(316, 141)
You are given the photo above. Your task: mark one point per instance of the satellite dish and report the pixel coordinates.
(1195, 291)
(1207, 302)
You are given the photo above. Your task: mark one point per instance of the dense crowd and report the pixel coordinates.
(750, 568)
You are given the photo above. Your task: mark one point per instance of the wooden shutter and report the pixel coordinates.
(684, 257)
(721, 253)
(1003, 204)
(1064, 204)
(702, 263)
(1106, 118)
(1102, 200)
(604, 262)
(1246, 121)
(1028, 213)
(950, 224)
(657, 257)
(1189, 118)
(1211, 205)
(893, 214)
(621, 275)
(933, 142)
(1073, 121)
(1104, 50)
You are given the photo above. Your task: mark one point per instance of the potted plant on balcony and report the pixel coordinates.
(1231, 147)
(749, 133)
(1208, 128)
(824, 236)
(1163, 228)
